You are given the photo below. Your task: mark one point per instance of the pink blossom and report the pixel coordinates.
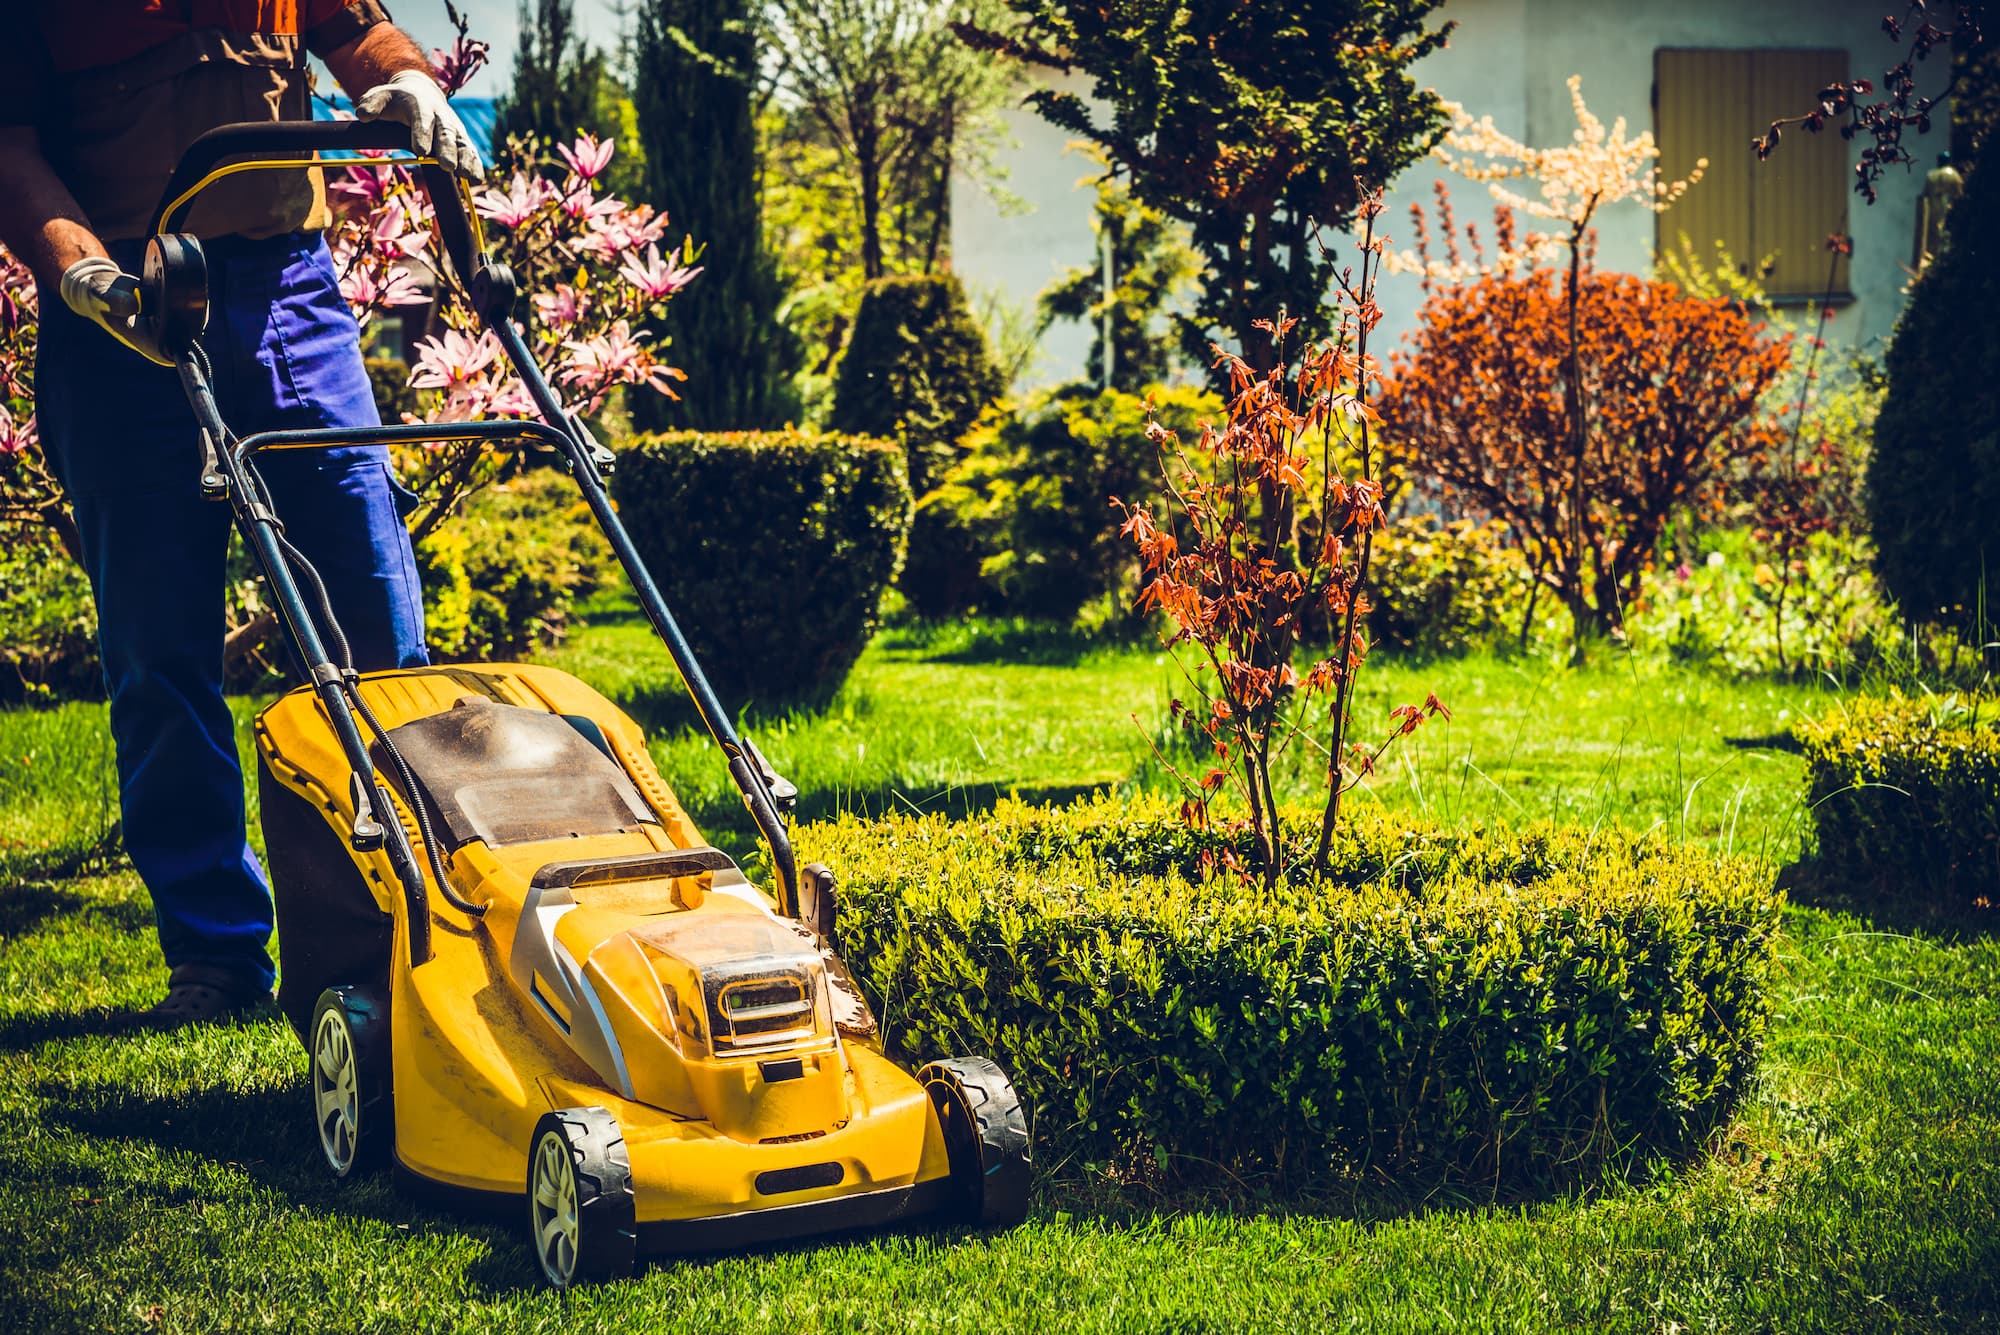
(365, 288)
(453, 361)
(392, 234)
(561, 309)
(614, 234)
(454, 69)
(615, 357)
(16, 436)
(657, 278)
(588, 157)
(524, 197)
(582, 204)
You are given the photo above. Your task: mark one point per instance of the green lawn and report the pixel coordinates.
(168, 1182)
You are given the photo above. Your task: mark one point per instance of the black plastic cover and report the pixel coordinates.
(502, 774)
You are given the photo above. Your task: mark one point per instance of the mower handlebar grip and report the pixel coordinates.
(262, 138)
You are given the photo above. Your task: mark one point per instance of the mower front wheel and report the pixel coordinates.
(581, 1222)
(985, 1138)
(352, 1106)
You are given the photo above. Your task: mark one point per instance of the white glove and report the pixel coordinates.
(98, 290)
(414, 99)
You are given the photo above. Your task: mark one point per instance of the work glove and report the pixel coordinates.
(98, 290)
(414, 99)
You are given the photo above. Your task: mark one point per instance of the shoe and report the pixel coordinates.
(204, 994)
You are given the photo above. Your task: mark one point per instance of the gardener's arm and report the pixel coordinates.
(389, 79)
(40, 221)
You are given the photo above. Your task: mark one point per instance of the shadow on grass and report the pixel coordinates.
(1816, 884)
(27, 903)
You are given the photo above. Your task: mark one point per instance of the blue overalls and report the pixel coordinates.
(122, 439)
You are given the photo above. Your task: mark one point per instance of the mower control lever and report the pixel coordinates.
(214, 485)
(368, 832)
(784, 793)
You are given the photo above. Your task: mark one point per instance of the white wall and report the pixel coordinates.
(1508, 59)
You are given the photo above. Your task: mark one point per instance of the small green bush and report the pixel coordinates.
(1483, 1005)
(916, 371)
(1438, 588)
(48, 624)
(502, 575)
(1028, 508)
(1934, 477)
(773, 549)
(1905, 795)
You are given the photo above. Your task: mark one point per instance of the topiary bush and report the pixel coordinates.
(1027, 510)
(1489, 1006)
(916, 371)
(772, 548)
(504, 574)
(1934, 477)
(1905, 795)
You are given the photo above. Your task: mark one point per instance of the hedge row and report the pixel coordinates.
(1485, 1006)
(772, 548)
(1905, 795)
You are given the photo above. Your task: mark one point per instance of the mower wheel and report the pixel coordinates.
(581, 1223)
(352, 1104)
(985, 1137)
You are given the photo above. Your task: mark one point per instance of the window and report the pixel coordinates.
(1711, 104)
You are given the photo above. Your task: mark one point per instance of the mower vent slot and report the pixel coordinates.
(791, 1140)
(803, 1178)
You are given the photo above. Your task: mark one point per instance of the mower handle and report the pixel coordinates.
(200, 164)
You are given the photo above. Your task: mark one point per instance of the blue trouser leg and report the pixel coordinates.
(123, 440)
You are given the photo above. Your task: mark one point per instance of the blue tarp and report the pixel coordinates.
(476, 112)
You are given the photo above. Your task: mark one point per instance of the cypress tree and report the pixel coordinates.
(694, 68)
(557, 78)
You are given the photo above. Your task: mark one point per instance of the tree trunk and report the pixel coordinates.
(868, 160)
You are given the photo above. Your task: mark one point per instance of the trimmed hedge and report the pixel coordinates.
(1487, 1006)
(773, 549)
(1933, 491)
(1905, 796)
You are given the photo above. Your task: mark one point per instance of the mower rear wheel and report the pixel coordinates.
(352, 1104)
(985, 1138)
(581, 1222)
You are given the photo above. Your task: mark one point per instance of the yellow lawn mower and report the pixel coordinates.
(519, 971)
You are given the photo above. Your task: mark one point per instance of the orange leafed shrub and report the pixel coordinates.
(1671, 392)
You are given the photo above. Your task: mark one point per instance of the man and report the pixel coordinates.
(98, 99)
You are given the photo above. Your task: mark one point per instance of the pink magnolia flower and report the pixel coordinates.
(524, 197)
(562, 308)
(589, 156)
(16, 436)
(613, 234)
(392, 230)
(453, 361)
(454, 69)
(615, 357)
(367, 286)
(657, 278)
(583, 204)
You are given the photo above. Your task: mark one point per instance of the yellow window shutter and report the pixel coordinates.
(1798, 197)
(1702, 110)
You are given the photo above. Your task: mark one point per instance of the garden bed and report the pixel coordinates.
(1503, 1008)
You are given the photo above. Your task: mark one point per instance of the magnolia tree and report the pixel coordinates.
(596, 267)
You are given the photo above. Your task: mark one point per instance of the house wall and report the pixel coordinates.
(1508, 59)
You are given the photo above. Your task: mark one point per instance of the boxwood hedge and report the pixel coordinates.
(773, 548)
(1905, 796)
(1499, 1008)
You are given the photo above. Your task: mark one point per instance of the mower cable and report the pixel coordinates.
(344, 659)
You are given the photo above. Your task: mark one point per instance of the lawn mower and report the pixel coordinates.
(518, 969)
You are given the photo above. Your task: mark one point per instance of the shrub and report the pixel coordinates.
(1026, 514)
(503, 573)
(1905, 795)
(773, 549)
(916, 371)
(48, 625)
(1445, 588)
(1674, 387)
(1934, 478)
(1484, 1005)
